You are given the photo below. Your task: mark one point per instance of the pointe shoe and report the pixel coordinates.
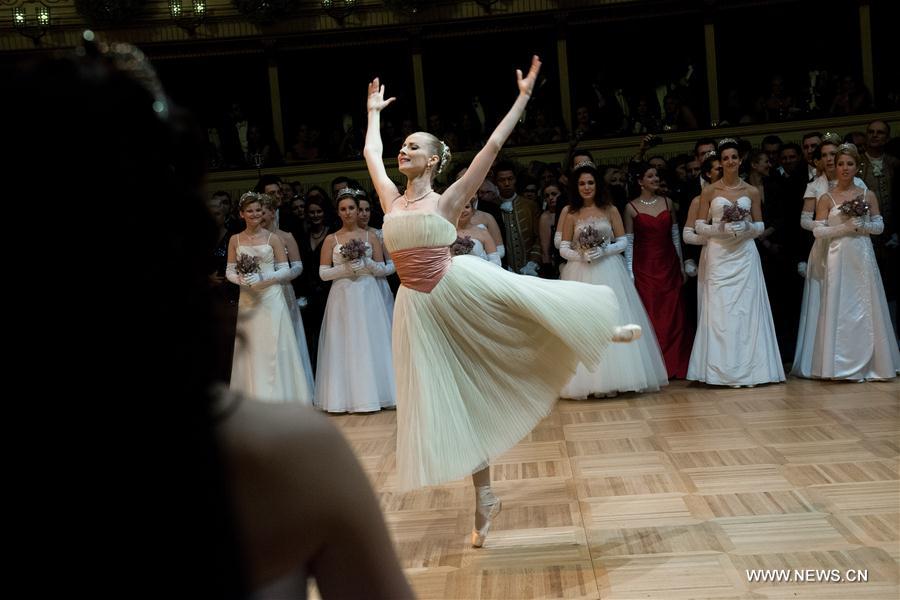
(626, 333)
(488, 511)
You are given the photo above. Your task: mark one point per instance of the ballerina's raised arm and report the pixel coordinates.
(385, 188)
(464, 188)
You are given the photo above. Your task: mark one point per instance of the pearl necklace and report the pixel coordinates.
(649, 202)
(732, 187)
(408, 201)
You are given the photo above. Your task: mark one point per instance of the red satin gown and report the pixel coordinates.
(657, 277)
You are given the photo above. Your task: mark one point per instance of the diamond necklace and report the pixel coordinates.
(408, 201)
(649, 202)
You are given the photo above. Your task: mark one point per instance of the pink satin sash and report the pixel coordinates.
(421, 269)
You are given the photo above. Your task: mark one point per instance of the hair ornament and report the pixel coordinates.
(349, 192)
(445, 156)
(583, 164)
(728, 140)
(831, 137)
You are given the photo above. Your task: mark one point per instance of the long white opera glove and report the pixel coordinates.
(231, 273)
(494, 258)
(751, 231)
(249, 280)
(557, 239)
(806, 220)
(501, 250)
(282, 273)
(566, 251)
(617, 246)
(378, 269)
(715, 230)
(872, 226)
(801, 268)
(629, 253)
(676, 241)
(389, 268)
(826, 232)
(690, 237)
(340, 271)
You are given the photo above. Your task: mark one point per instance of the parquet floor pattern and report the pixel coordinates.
(669, 495)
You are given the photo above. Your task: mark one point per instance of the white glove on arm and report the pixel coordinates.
(690, 237)
(340, 271)
(715, 230)
(826, 232)
(872, 226)
(629, 253)
(676, 241)
(568, 253)
(806, 220)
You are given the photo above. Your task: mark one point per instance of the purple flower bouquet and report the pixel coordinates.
(247, 264)
(353, 250)
(590, 237)
(734, 214)
(462, 245)
(858, 207)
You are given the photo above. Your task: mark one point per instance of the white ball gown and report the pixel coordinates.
(854, 336)
(354, 368)
(637, 366)
(267, 364)
(735, 342)
(812, 289)
(481, 357)
(300, 333)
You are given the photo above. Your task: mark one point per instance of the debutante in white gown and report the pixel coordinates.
(355, 372)
(634, 367)
(267, 364)
(812, 287)
(735, 342)
(854, 336)
(481, 357)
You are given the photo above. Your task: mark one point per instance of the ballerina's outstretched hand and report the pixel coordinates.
(526, 84)
(376, 99)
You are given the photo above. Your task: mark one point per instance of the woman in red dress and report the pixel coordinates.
(654, 260)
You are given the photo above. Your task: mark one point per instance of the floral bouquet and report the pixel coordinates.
(858, 207)
(734, 214)
(247, 264)
(462, 245)
(590, 237)
(353, 250)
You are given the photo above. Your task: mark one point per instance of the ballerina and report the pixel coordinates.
(470, 341)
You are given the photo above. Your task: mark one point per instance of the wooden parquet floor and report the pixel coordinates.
(669, 495)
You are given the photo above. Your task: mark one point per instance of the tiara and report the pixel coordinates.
(848, 146)
(251, 194)
(349, 191)
(710, 153)
(584, 163)
(724, 141)
(831, 137)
